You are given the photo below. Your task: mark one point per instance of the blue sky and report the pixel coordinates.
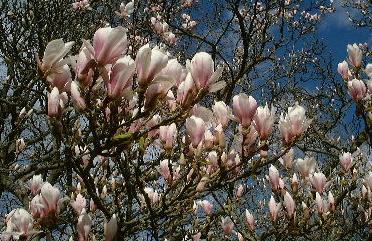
(337, 31)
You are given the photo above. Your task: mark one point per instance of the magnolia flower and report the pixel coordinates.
(250, 220)
(227, 225)
(126, 9)
(368, 70)
(109, 44)
(186, 91)
(60, 77)
(357, 89)
(239, 191)
(195, 128)
(331, 201)
(343, 70)
(196, 237)
(111, 228)
(293, 124)
(289, 204)
(355, 55)
(222, 112)
(287, 159)
(306, 166)
(368, 180)
(274, 177)
(79, 204)
(54, 52)
(82, 69)
(164, 170)
(83, 226)
(153, 195)
(274, 209)
(47, 202)
(157, 90)
(149, 62)
(78, 101)
(202, 70)
(294, 183)
(346, 161)
(121, 77)
(244, 109)
(263, 121)
(53, 102)
(319, 203)
(19, 223)
(168, 135)
(174, 71)
(319, 181)
(20, 145)
(36, 183)
(207, 206)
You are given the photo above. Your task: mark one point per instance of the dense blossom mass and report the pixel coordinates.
(151, 152)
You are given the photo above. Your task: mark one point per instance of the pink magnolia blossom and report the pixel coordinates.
(174, 71)
(289, 205)
(202, 70)
(222, 112)
(355, 55)
(227, 225)
(47, 202)
(109, 44)
(274, 209)
(19, 223)
(357, 89)
(168, 135)
(76, 97)
(294, 183)
(239, 191)
(343, 70)
(306, 166)
(157, 90)
(250, 220)
(195, 128)
(331, 201)
(320, 204)
(264, 120)
(54, 52)
(79, 204)
(126, 9)
(111, 228)
(83, 226)
(274, 177)
(186, 91)
(346, 161)
(152, 194)
(207, 206)
(36, 183)
(319, 182)
(196, 237)
(60, 77)
(149, 62)
(244, 109)
(121, 77)
(56, 102)
(164, 170)
(293, 124)
(287, 159)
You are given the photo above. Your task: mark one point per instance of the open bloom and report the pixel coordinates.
(357, 89)
(195, 128)
(47, 202)
(293, 124)
(19, 223)
(355, 55)
(82, 69)
(168, 135)
(264, 120)
(319, 181)
(149, 62)
(54, 52)
(346, 161)
(306, 166)
(79, 204)
(109, 44)
(36, 183)
(244, 108)
(157, 90)
(202, 70)
(121, 77)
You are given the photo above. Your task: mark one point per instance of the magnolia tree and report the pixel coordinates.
(121, 137)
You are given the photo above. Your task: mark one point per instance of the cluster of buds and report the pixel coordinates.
(188, 23)
(162, 28)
